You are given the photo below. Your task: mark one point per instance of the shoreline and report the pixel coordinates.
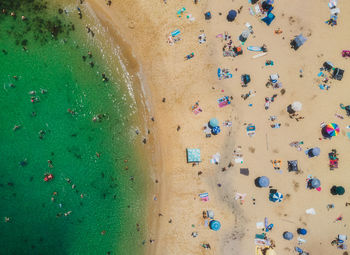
(139, 82)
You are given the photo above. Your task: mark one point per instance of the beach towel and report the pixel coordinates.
(223, 101)
(216, 158)
(310, 211)
(204, 197)
(269, 18)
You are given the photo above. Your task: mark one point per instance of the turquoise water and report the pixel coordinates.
(96, 170)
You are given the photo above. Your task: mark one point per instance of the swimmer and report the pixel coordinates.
(92, 64)
(4, 51)
(90, 54)
(68, 180)
(67, 213)
(84, 58)
(73, 186)
(33, 92)
(12, 85)
(98, 154)
(43, 91)
(7, 219)
(15, 77)
(16, 127)
(49, 162)
(71, 111)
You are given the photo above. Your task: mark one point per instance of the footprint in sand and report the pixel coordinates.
(296, 186)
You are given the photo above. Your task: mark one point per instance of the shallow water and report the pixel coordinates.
(105, 201)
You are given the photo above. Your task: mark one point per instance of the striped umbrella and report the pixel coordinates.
(276, 197)
(331, 129)
(216, 130)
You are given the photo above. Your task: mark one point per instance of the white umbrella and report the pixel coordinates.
(296, 106)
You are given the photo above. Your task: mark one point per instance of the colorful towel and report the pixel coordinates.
(204, 197)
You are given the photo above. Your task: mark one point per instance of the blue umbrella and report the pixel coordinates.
(302, 231)
(216, 130)
(231, 15)
(276, 197)
(288, 235)
(314, 152)
(270, 1)
(215, 225)
(213, 122)
(263, 181)
(315, 183)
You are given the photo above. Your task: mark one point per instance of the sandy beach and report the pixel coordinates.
(172, 86)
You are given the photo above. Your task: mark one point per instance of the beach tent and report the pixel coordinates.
(276, 197)
(215, 225)
(263, 181)
(269, 18)
(231, 15)
(338, 74)
(288, 235)
(193, 155)
(297, 42)
(337, 190)
(213, 122)
(245, 78)
(314, 183)
(330, 130)
(314, 152)
(292, 165)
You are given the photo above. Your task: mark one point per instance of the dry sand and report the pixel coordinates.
(145, 26)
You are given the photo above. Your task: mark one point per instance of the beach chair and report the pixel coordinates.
(251, 130)
(276, 164)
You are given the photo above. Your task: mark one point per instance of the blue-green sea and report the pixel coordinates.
(59, 116)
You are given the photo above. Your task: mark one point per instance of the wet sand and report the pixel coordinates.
(164, 74)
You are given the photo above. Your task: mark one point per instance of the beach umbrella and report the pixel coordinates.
(263, 181)
(330, 130)
(216, 130)
(315, 183)
(270, 1)
(314, 152)
(288, 235)
(340, 190)
(302, 231)
(213, 122)
(276, 197)
(215, 225)
(296, 106)
(231, 15)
